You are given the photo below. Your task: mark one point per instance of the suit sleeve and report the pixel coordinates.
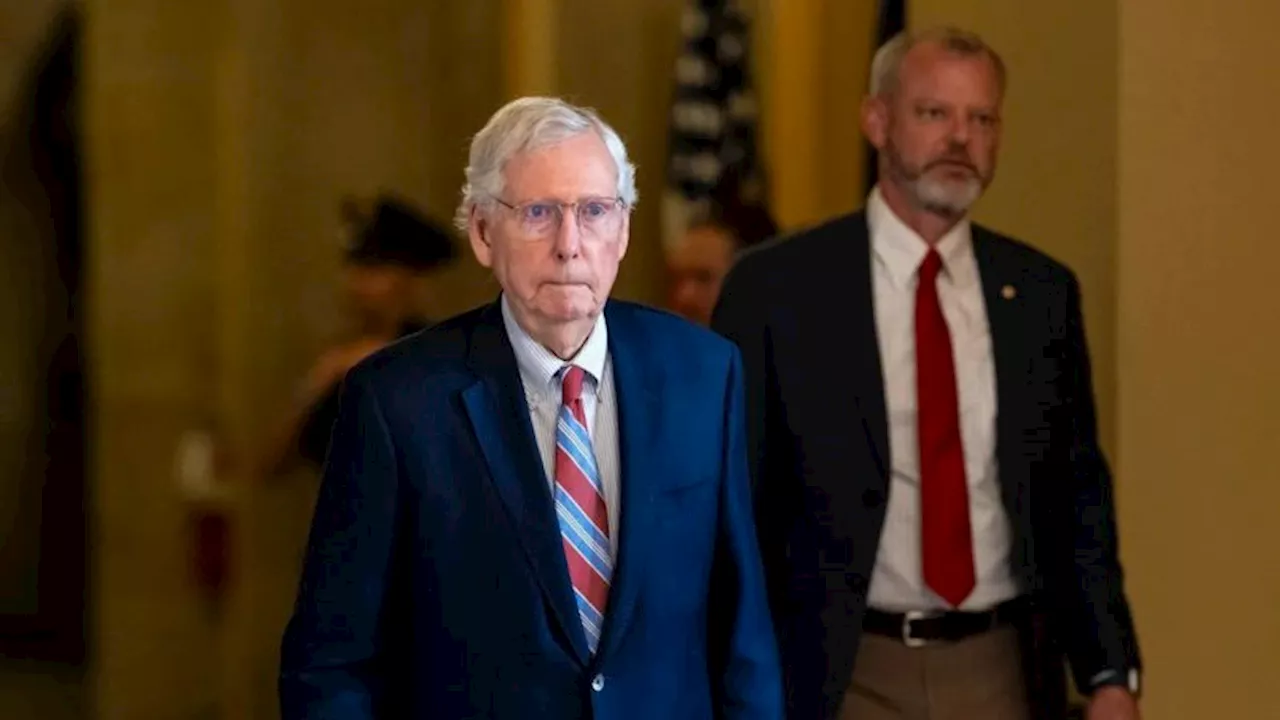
(1101, 633)
(331, 652)
(743, 646)
(739, 317)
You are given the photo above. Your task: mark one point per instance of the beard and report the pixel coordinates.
(934, 192)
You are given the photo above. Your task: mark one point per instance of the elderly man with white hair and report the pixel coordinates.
(540, 508)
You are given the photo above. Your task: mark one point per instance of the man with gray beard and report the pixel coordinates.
(934, 512)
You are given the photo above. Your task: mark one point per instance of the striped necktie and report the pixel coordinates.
(581, 509)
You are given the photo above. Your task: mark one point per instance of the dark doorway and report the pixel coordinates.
(43, 191)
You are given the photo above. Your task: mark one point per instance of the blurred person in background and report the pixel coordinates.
(699, 260)
(391, 250)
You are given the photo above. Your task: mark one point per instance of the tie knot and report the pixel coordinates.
(930, 268)
(571, 384)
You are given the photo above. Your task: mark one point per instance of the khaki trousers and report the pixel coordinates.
(979, 678)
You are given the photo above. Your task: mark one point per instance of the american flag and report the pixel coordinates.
(714, 114)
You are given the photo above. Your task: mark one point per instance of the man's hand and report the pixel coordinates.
(1113, 703)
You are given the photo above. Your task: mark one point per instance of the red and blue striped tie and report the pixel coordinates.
(581, 509)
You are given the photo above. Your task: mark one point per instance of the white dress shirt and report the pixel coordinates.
(897, 581)
(539, 373)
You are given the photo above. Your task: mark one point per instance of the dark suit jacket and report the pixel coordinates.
(801, 311)
(435, 584)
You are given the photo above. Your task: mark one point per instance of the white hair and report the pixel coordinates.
(888, 59)
(529, 123)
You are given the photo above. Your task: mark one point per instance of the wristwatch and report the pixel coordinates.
(1130, 679)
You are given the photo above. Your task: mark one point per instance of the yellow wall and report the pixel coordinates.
(151, 168)
(813, 58)
(1199, 338)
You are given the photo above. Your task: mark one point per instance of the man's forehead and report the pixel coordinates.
(932, 54)
(579, 165)
(940, 70)
(705, 245)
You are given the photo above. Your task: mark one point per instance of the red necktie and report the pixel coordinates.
(946, 542)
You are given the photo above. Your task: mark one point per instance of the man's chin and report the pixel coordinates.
(567, 292)
(951, 198)
(566, 309)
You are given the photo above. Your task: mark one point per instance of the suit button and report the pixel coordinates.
(597, 683)
(857, 583)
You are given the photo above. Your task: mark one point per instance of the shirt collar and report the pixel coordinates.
(900, 250)
(539, 367)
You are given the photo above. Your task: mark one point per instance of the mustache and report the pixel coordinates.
(954, 159)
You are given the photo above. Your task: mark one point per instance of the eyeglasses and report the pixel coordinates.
(599, 218)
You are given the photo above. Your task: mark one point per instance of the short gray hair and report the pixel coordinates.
(529, 123)
(888, 59)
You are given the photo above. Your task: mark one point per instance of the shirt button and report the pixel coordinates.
(597, 683)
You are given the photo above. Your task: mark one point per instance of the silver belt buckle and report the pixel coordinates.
(907, 638)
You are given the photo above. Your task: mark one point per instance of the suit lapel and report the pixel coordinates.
(1005, 302)
(868, 374)
(639, 428)
(499, 414)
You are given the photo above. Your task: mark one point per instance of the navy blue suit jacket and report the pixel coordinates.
(435, 584)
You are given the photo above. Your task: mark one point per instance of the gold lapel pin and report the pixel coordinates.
(1008, 292)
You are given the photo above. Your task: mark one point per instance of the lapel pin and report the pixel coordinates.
(1008, 292)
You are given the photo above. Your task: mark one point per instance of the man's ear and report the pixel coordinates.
(624, 238)
(478, 228)
(875, 120)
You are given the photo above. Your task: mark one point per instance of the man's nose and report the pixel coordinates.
(961, 133)
(568, 237)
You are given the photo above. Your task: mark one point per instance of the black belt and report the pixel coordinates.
(917, 629)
